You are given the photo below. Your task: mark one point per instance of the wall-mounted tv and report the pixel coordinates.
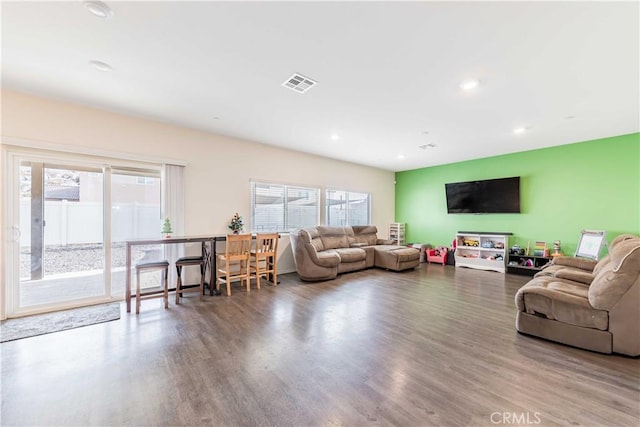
(500, 195)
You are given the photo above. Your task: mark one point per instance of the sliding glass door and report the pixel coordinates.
(61, 244)
(135, 214)
(70, 219)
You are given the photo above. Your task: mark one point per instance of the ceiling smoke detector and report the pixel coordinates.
(425, 146)
(299, 83)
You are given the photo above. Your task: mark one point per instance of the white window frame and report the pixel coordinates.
(348, 220)
(286, 226)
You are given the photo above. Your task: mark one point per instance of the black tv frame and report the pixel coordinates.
(488, 196)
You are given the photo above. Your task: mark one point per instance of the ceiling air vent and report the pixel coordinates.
(299, 83)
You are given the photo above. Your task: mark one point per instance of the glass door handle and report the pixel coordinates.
(16, 233)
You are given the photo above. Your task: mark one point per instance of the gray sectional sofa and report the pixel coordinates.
(587, 304)
(321, 253)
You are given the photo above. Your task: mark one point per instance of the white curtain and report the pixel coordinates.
(173, 208)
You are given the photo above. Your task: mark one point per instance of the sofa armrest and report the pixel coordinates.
(384, 242)
(323, 259)
(575, 275)
(575, 262)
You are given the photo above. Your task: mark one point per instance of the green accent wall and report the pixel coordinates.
(563, 190)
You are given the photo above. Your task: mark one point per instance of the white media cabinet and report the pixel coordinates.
(482, 250)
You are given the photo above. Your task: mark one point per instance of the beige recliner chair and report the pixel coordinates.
(585, 304)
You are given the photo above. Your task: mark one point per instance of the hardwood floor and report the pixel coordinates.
(434, 346)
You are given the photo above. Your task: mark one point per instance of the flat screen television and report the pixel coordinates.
(500, 195)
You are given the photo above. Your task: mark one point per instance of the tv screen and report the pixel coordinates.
(488, 196)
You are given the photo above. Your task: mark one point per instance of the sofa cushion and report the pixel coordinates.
(406, 254)
(366, 234)
(396, 257)
(364, 229)
(617, 276)
(350, 236)
(308, 234)
(347, 267)
(333, 237)
(326, 258)
(385, 242)
(312, 237)
(552, 287)
(549, 270)
(350, 254)
(575, 275)
(569, 261)
(561, 300)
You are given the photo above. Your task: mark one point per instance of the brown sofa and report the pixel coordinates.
(321, 253)
(587, 304)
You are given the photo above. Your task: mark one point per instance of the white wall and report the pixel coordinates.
(219, 168)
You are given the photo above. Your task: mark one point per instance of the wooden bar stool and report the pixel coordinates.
(152, 266)
(202, 261)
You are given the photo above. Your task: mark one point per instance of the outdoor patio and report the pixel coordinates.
(75, 272)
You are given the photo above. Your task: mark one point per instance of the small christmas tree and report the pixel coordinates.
(236, 224)
(166, 227)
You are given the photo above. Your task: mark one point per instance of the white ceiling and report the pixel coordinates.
(386, 71)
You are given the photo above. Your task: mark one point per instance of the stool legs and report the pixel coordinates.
(166, 288)
(180, 291)
(178, 284)
(202, 273)
(137, 291)
(164, 281)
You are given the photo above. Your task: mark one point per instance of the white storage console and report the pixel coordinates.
(482, 250)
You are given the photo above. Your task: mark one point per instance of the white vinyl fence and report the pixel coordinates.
(68, 223)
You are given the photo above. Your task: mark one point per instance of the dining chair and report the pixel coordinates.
(233, 265)
(202, 261)
(263, 258)
(141, 294)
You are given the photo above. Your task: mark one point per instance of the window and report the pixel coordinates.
(347, 208)
(277, 207)
(145, 180)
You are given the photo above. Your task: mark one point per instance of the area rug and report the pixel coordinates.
(39, 324)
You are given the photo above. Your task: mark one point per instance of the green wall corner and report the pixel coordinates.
(591, 185)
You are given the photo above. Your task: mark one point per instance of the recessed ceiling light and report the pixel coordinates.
(469, 84)
(425, 146)
(100, 66)
(334, 137)
(216, 118)
(99, 9)
(400, 156)
(569, 117)
(425, 132)
(520, 130)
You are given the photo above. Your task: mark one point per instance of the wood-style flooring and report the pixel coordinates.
(431, 347)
